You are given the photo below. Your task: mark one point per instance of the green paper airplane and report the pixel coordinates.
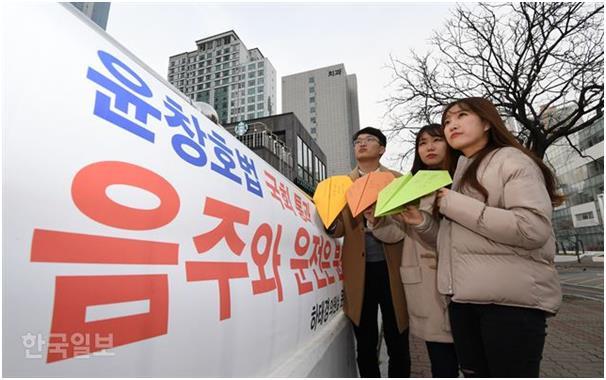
(409, 188)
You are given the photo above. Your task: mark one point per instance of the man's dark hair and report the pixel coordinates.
(372, 131)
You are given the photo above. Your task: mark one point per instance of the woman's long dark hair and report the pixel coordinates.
(450, 161)
(498, 137)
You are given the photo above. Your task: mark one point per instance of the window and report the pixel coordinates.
(250, 116)
(251, 108)
(313, 120)
(312, 99)
(259, 98)
(251, 91)
(299, 151)
(251, 82)
(251, 74)
(312, 110)
(313, 129)
(251, 66)
(584, 216)
(259, 106)
(260, 73)
(312, 90)
(251, 99)
(311, 80)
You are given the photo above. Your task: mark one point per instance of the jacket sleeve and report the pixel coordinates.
(427, 231)
(524, 220)
(388, 230)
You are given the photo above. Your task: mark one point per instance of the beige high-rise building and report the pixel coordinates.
(326, 102)
(240, 83)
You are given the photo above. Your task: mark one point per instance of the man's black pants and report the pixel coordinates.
(443, 359)
(377, 293)
(496, 340)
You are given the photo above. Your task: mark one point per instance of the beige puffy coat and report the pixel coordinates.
(427, 308)
(500, 251)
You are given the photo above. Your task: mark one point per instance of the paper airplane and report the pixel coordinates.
(365, 190)
(329, 197)
(408, 190)
(388, 193)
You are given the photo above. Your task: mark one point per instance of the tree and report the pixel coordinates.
(527, 58)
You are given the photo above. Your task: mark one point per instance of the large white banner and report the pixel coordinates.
(140, 239)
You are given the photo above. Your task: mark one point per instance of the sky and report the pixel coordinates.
(295, 37)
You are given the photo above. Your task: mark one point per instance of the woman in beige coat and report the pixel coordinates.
(427, 308)
(495, 244)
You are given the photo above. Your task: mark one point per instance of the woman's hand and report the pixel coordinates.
(441, 194)
(369, 214)
(411, 215)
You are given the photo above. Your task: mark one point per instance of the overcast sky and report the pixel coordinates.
(295, 37)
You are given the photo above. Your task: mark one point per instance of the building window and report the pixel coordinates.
(312, 90)
(312, 110)
(584, 216)
(312, 99)
(259, 106)
(251, 82)
(311, 80)
(313, 120)
(259, 98)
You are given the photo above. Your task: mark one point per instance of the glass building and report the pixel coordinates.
(581, 180)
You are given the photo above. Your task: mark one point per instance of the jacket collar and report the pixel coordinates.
(355, 173)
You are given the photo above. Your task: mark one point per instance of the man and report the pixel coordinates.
(371, 272)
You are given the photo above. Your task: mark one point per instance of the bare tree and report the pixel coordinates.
(527, 58)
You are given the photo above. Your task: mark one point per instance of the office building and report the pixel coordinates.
(239, 83)
(98, 12)
(581, 180)
(326, 102)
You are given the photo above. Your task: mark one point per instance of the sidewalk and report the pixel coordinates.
(574, 346)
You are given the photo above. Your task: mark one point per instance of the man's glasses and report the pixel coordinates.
(366, 140)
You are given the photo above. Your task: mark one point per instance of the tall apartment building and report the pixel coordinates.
(96, 11)
(326, 102)
(239, 83)
(581, 179)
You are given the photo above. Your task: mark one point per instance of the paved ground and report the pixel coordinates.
(574, 346)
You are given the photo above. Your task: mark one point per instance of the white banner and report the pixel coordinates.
(140, 239)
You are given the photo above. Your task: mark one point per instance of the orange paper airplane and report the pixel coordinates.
(365, 190)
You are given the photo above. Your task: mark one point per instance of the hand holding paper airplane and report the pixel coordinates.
(409, 188)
